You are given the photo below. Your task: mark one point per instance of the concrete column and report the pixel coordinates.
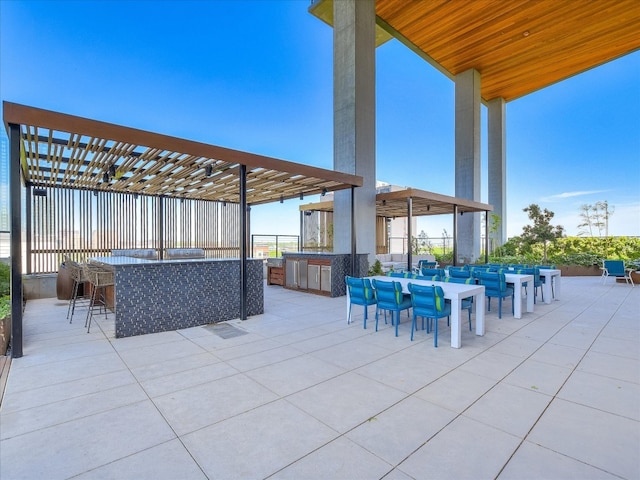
(467, 168)
(497, 167)
(354, 122)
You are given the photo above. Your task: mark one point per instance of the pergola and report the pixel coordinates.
(51, 149)
(412, 202)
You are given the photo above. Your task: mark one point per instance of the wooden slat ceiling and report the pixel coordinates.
(423, 203)
(60, 150)
(518, 46)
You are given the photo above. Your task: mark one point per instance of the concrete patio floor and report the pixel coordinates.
(297, 393)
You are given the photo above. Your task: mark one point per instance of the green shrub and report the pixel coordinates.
(584, 251)
(5, 306)
(5, 279)
(376, 269)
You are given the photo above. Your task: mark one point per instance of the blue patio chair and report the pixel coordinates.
(360, 293)
(389, 297)
(537, 281)
(433, 278)
(399, 274)
(428, 302)
(616, 268)
(467, 303)
(459, 272)
(429, 272)
(496, 286)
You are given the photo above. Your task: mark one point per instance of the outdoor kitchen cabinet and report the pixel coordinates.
(321, 273)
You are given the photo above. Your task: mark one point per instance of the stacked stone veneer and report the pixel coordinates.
(171, 295)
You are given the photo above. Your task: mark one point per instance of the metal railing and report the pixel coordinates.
(272, 246)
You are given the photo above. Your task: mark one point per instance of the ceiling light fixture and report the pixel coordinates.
(324, 192)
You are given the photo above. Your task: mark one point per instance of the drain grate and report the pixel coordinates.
(225, 330)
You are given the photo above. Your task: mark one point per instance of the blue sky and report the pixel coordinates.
(257, 76)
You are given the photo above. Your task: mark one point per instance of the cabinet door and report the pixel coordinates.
(302, 274)
(325, 278)
(291, 274)
(313, 281)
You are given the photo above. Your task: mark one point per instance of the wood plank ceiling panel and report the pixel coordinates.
(519, 46)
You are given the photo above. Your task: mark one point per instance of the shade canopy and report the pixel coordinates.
(518, 46)
(60, 150)
(423, 203)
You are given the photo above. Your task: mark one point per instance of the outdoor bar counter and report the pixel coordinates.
(160, 295)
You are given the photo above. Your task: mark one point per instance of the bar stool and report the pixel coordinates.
(77, 274)
(100, 278)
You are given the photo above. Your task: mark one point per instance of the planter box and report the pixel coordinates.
(5, 334)
(579, 271)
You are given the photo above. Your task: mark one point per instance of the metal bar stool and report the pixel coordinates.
(100, 278)
(77, 274)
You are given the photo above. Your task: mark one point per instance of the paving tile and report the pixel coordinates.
(36, 397)
(560, 355)
(604, 440)
(340, 459)
(492, 364)
(511, 409)
(533, 462)
(408, 370)
(539, 376)
(397, 432)
(346, 401)
(171, 366)
(516, 346)
(53, 373)
(613, 366)
(159, 352)
(168, 461)
(629, 348)
(457, 390)
(51, 414)
(75, 447)
(196, 407)
(257, 443)
(295, 374)
(352, 353)
(174, 382)
(466, 449)
(265, 358)
(607, 394)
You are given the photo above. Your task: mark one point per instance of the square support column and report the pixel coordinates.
(354, 123)
(467, 165)
(497, 167)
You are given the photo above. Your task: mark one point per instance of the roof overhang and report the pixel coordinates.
(60, 150)
(518, 46)
(423, 203)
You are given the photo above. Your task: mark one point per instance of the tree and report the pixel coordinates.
(595, 216)
(541, 231)
(587, 221)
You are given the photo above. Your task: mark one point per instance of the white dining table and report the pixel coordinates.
(551, 275)
(454, 292)
(518, 279)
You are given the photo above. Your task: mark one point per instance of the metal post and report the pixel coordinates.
(486, 236)
(243, 242)
(301, 238)
(353, 235)
(409, 232)
(455, 235)
(28, 228)
(16, 240)
(160, 231)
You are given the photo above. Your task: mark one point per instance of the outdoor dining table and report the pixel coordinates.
(551, 275)
(518, 280)
(454, 292)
